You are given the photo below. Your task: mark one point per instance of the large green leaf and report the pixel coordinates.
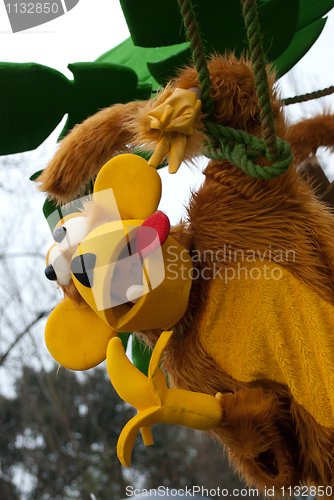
(301, 43)
(311, 10)
(278, 20)
(33, 100)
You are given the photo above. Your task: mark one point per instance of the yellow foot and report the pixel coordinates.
(152, 398)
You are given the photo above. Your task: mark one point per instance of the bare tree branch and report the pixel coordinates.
(21, 254)
(41, 315)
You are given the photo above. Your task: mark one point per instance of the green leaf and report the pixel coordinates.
(310, 11)
(141, 355)
(125, 339)
(35, 176)
(33, 100)
(301, 43)
(167, 68)
(54, 212)
(278, 20)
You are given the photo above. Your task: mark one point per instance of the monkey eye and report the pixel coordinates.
(67, 236)
(59, 234)
(71, 233)
(82, 268)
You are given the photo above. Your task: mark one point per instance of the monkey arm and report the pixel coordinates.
(174, 119)
(257, 430)
(306, 136)
(86, 149)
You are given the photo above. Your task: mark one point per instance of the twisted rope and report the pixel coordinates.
(260, 73)
(196, 46)
(308, 97)
(226, 143)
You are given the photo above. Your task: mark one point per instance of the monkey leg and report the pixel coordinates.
(260, 446)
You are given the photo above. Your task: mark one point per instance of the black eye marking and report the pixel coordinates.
(59, 234)
(82, 268)
(50, 273)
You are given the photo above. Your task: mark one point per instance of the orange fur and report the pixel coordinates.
(236, 103)
(271, 439)
(307, 136)
(85, 150)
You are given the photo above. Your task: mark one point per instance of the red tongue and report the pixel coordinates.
(152, 233)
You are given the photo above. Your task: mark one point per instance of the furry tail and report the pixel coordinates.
(86, 149)
(305, 137)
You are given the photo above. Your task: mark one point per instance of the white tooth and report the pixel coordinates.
(134, 292)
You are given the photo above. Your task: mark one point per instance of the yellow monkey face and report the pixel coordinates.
(122, 268)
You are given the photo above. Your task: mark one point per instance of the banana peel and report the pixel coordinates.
(155, 402)
(175, 120)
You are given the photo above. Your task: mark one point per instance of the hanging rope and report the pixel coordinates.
(240, 148)
(261, 81)
(308, 97)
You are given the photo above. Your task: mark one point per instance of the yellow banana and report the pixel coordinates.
(152, 398)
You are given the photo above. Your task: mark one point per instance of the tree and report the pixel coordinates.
(63, 431)
(25, 296)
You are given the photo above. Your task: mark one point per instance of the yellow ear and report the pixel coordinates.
(135, 185)
(76, 337)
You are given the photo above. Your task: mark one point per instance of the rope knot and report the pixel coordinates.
(242, 150)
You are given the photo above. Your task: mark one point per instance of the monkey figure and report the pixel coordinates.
(259, 322)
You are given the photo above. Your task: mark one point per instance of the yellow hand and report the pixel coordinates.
(175, 119)
(154, 401)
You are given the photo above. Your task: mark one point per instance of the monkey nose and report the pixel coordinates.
(50, 273)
